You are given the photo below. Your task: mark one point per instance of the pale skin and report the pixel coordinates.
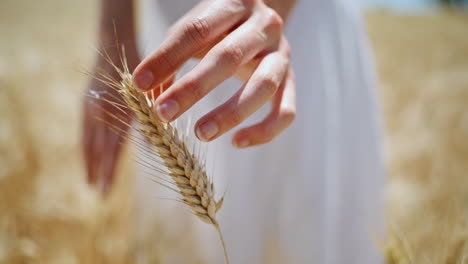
(242, 38)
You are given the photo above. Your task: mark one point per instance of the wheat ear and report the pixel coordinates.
(186, 171)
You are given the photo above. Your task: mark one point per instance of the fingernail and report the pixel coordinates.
(101, 183)
(167, 110)
(242, 143)
(104, 187)
(143, 80)
(207, 131)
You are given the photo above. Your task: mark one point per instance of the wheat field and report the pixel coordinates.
(423, 67)
(422, 62)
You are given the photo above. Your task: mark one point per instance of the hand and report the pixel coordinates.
(102, 144)
(243, 37)
(104, 135)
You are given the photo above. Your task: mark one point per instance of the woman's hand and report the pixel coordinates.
(101, 144)
(243, 37)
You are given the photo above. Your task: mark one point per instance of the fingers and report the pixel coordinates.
(102, 148)
(188, 38)
(107, 162)
(259, 89)
(219, 64)
(87, 139)
(101, 142)
(155, 93)
(281, 116)
(233, 37)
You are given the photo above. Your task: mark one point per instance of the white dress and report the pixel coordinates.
(316, 191)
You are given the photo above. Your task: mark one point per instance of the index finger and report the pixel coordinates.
(191, 35)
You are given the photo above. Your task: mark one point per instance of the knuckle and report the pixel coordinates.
(262, 35)
(167, 61)
(233, 118)
(193, 90)
(232, 55)
(273, 20)
(266, 135)
(240, 7)
(268, 84)
(197, 30)
(247, 3)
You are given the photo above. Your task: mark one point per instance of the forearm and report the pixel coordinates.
(282, 7)
(117, 26)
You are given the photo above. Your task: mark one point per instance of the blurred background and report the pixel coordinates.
(421, 55)
(412, 5)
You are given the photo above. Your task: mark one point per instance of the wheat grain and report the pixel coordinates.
(186, 171)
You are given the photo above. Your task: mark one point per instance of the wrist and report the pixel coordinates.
(116, 29)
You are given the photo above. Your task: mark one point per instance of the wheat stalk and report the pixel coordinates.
(186, 171)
